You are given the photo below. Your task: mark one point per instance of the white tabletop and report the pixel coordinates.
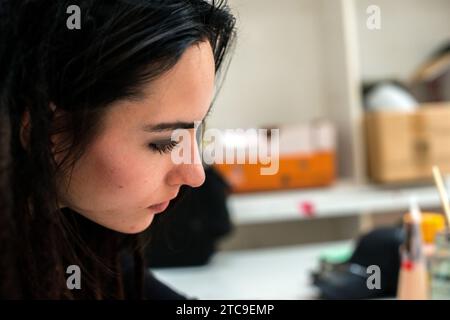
(272, 274)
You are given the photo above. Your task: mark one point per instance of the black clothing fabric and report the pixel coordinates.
(154, 289)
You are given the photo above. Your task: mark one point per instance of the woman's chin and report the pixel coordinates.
(131, 228)
(137, 227)
(130, 224)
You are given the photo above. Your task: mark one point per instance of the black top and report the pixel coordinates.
(156, 290)
(153, 288)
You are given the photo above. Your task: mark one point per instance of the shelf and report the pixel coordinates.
(342, 199)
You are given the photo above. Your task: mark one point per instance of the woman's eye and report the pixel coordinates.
(163, 147)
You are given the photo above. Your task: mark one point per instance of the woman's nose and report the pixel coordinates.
(189, 173)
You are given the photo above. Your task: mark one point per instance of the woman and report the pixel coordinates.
(86, 118)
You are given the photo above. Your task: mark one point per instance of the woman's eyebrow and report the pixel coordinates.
(168, 126)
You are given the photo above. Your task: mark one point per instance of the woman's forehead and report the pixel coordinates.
(183, 94)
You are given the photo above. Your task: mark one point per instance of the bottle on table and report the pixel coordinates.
(413, 281)
(440, 267)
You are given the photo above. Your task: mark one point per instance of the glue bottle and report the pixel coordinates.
(413, 277)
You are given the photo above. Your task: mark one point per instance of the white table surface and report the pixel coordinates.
(272, 274)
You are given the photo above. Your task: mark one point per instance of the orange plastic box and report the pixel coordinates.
(295, 171)
(307, 158)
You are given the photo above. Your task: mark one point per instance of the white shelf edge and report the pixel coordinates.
(340, 200)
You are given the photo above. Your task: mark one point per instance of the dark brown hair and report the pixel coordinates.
(121, 45)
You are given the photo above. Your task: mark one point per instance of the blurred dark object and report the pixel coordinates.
(187, 235)
(348, 280)
(431, 81)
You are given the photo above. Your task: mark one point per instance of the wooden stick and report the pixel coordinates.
(442, 192)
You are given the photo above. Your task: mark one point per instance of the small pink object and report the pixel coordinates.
(307, 209)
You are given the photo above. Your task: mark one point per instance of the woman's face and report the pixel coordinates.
(122, 181)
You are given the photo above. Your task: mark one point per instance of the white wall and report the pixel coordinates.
(275, 75)
(297, 60)
(410, 31)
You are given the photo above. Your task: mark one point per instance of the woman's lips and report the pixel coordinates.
(160, 207)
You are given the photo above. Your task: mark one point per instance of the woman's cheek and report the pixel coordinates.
(122, 176)
(136, 178)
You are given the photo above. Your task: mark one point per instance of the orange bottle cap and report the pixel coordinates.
(431, 224)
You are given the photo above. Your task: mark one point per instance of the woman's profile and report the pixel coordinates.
(86, 116)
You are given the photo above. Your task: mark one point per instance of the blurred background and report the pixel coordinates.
(360, 90)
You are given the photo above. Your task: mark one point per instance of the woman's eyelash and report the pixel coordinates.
(163, 147)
